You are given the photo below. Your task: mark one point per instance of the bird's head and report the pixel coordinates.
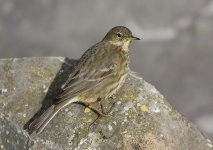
(120, 36)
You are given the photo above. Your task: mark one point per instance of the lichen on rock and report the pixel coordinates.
(141, 120)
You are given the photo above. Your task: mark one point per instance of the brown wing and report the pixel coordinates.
(85, 81)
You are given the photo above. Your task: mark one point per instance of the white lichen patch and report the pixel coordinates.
(1, 115)
(82, 141)
(155, 108)
(127, 106)
(70, 114)
(4, 90)
(118, 103)
(19, 131)
(7, 132)
(45, 90)
(51, 145)
(209, 143)
(140, 97)
(150, 88)
(153, 90)
(91, 142)
(110, 127)
(43, 86)
(114, 122)
(125, 118)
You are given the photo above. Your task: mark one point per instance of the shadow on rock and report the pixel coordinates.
(54, 89)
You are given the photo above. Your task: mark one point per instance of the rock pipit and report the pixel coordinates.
(100, 72)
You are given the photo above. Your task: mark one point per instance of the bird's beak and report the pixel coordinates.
(135, 38)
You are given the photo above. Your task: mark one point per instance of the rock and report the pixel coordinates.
(141, 119)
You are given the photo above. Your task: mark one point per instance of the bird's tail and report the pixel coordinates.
(40, 123)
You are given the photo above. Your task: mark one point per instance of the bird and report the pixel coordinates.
(100, 72)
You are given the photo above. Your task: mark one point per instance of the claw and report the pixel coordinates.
(100, 114)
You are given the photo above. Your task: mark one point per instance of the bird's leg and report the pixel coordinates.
(98, 112)
(101, 113)
(95, 110)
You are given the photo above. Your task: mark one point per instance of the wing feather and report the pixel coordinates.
(83, 84)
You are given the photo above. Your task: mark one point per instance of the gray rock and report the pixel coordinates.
(141, 120)
(175, 53)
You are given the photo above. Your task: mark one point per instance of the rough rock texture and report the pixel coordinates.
(175, 53)
(141, 119)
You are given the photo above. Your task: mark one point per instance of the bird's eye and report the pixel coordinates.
(119, 35)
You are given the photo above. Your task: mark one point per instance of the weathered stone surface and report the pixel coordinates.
(175, 53)
(141, 120)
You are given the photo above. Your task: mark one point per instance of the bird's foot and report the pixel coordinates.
(101, 113)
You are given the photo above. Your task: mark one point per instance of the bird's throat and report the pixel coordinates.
(124, 46)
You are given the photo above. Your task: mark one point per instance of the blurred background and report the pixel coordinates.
(175, 53)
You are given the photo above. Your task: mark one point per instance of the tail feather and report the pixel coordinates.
(37, 126)
(40, 123)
